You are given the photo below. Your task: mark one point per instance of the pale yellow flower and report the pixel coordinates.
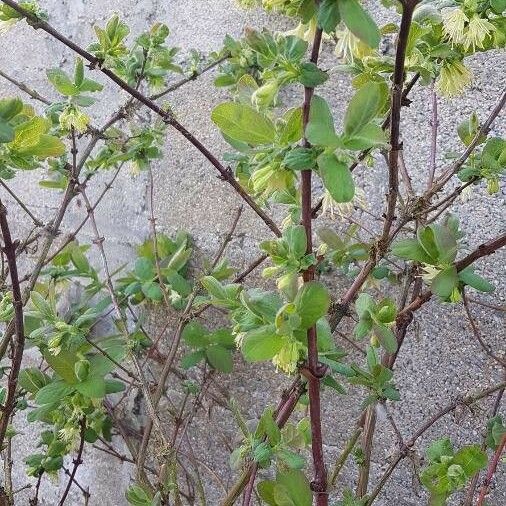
(288, 356)
(333, 209)
(477, 31)
(453, 79)
(347, 45)
(74, 117)
(429, 272)
(454, 21)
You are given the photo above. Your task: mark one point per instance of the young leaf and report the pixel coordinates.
(444, 282)
(62, 82)
(312, 302)
(261, 344)
(470, 278)
(328, 15)
(386, 338)
(363, 107)
(320, 129)
(359, 22)
(243, 123)
(336, 177)
(220, 358)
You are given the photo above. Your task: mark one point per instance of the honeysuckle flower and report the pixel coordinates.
(334, 209)
(493, 185)
(477, 31)
(347, 46)
(454, 22)
(69, 433)
(74, 117)
(288, 356)
(453, 78)
(265, 95)
(429, 272)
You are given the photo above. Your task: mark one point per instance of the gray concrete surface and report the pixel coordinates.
(440, 358)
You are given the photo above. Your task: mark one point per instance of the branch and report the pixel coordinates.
(9, 248)
(482, 132)
(77, 462)
(490, 472)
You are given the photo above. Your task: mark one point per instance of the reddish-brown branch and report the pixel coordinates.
(9, 249)
(490, 471)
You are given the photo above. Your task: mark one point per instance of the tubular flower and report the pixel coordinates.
(73, 117)
(454, 21)
(288, 356)
(347, 46)
(334, 209)
(477, 31)
(453, 79)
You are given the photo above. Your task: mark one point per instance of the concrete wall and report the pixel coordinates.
(188, 195)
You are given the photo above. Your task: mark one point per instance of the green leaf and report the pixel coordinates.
(336, 177)
(243, 123)
(493, 156)
(42, 306)
(328, 15)
(220, 358)
(192, 359)
(195, 335)
(300, 158)
(265, 490)
(371, 135)
(137, 496)
(444, 282)
(10, 107)
(152, 290)
(320, 129)
(53, 392)
(471, 458)
(359, 22)
(114, 386)
(411, 250)
(94, 388)
(291, 131)
(48, 146)
(297, 485)
(32, 379)
(261, 344)
(311, 302)
(363, 107)
(79, 73)
(311, 76)
(386, 338)
(470, 278)
(440, 448)
(6, 132)
(89, 85)
(144, 269)
(63, 364)
(62, 82)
